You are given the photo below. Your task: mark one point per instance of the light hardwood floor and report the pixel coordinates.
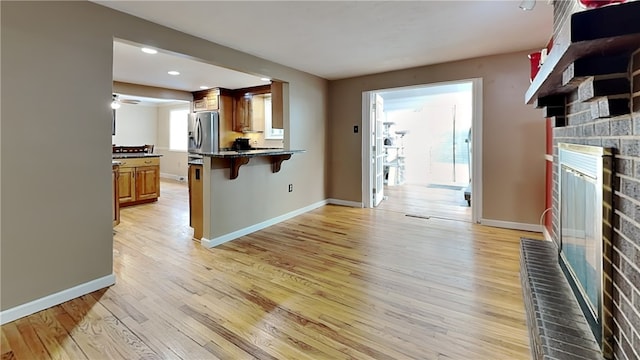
(427, 202)
(334, 283)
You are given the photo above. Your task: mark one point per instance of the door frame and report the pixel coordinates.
(368, 169)
(476, 144)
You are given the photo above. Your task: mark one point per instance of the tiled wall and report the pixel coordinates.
(622, 133)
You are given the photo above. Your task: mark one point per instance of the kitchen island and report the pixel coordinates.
(215, 180)
(138, 177)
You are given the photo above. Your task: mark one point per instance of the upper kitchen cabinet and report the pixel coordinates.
(243, 114)
(277, 105)
(249, 107)
(211, 100)
(206, 100)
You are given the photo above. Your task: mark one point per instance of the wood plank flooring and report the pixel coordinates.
(334, 283)
(423, 201)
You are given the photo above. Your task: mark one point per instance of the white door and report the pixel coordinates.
(377, 151)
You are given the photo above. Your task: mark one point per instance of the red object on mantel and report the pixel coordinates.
(534, 58)
(592, 4)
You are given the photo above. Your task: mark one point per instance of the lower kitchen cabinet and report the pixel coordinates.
(147, 183)
(195, 200)
(139, 180)
(127, 185)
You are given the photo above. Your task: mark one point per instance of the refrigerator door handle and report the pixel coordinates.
(198, 130)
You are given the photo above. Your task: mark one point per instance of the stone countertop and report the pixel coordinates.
(236, 158)
(133, 155)
(232, 154)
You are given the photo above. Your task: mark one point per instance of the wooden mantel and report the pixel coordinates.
(606, 31)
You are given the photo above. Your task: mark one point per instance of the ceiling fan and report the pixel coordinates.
(116, 101)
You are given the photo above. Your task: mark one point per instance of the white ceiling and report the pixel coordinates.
(339, 39)
(132, 65)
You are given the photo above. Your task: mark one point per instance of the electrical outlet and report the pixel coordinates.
(290, 187)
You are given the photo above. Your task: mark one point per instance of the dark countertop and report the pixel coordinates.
(232, 154)
(133, 155)
(196, 162)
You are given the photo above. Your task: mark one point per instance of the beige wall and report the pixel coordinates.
(513, 133)
(136, 125)
(56, 185)
(56, 142)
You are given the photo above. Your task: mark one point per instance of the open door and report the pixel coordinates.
(377, 151)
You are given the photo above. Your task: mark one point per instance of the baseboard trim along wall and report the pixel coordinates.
(512, 225)
(209, 243)
(354, 204)
(48, 301)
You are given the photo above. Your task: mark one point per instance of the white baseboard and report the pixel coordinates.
(354, 204)
(512, 225)
(547, 235)
(209, 243)
(173, 177)
(48, 301)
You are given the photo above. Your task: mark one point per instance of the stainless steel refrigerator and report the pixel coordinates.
(204, 134)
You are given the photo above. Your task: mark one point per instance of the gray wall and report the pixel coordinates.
(513, 133)
(56, 138)
(56, 157)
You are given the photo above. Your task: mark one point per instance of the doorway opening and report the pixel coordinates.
(153, 110)
(425, 143)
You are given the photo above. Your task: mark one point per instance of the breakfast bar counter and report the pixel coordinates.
(237, 158)
(133, 155)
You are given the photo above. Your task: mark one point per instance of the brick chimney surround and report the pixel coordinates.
(589, 91)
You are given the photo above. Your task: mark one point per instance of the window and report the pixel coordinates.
(269, 132)
(178, 130)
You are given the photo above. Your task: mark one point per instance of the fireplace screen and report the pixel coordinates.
(580, 234)
(585, 210)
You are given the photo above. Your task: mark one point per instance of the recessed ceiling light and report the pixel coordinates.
(204, 87)
(173, 72)
(265, 79)
(149, 50)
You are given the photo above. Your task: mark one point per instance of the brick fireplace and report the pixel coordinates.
(590, 94)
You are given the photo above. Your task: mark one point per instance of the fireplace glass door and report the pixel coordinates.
(580, 234)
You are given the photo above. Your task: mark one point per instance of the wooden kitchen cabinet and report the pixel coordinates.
(243, 113)
(115, 202)
(139, 180)
(243, 107)
(126, 185)
(277, 105)
(206, 100)
(195, 200)
(147, 182)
